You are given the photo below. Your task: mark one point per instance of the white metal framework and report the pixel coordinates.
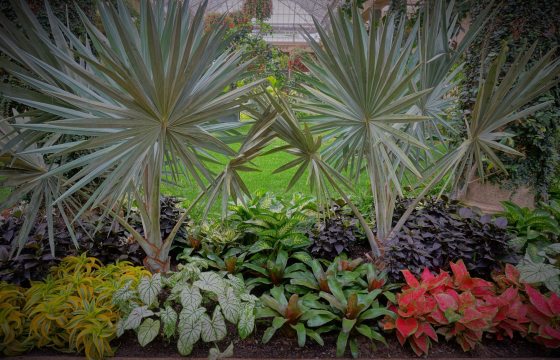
(287, 19)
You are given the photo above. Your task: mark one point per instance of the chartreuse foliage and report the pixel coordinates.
(70, 311)
(13, 321)
(179, 306)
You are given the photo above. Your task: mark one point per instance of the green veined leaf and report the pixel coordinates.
(190, 297)
(532, 273)
(230, 305)
(210, 281)
(189, 329)
(213, 329)
(215, 353)
(246, 323)
(135, 317)
(149, 288)
(168, 317)
(148, 331)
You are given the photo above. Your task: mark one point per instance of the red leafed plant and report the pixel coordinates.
(544, 314)
(463, 308)
(459, 306)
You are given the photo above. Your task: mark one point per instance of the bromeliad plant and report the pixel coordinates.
(274, 269)
(288, 314)
(194, 292)
(142, 97)
(353, 312)
(317, 278)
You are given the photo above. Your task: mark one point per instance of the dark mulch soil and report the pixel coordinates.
(285, 347)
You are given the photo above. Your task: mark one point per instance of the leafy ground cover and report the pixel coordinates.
(88, 166)
(256, 284)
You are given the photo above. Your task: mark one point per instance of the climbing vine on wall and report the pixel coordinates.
(515, 23)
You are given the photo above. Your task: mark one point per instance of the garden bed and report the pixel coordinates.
(281, 347)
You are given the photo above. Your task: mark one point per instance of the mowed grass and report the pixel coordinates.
(264, 180)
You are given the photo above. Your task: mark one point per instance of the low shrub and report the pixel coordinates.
(439, 232)
(533, 229)
(333, 234)
(189, 305)
(70, 311)
(463, 308)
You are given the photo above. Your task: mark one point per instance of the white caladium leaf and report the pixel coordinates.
(210, 281)
(190, 297)
(185, 345)
(148, 331)
(120, 327)
(168, 317)
(189, 329)
(246, 323)
(123, 294)
(215, 353)
(149, 288)
(531, 272)
(252, 299)
(213, 329)
(230, 305)
(135, 317)
(237, 284)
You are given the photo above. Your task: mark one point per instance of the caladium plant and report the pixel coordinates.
(355, 312)
(288, 314)
(183, 311)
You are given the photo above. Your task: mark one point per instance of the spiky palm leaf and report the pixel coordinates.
(439, 65)
(148, 97)
(498, 103)
(360, 88)
(24, 173)
(306, 148)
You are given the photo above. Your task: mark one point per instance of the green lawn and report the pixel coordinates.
(263, 180)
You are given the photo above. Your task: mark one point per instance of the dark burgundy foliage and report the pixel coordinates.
(99, 237)
(333, 234)
(441, 231)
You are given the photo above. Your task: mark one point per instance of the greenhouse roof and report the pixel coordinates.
(287, 19)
